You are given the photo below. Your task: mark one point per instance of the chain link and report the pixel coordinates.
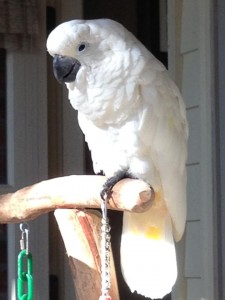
(25, 286)
(105, 253)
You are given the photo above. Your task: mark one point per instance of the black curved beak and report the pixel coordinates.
(65, 68)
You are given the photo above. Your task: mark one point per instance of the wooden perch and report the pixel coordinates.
(81, 230)
(72, 192)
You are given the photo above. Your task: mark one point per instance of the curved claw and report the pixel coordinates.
(105, 192)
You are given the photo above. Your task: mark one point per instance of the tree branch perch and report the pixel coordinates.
(75, 191)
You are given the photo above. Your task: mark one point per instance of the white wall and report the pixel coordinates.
(191, 64)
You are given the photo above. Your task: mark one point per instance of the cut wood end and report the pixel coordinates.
(132, 195)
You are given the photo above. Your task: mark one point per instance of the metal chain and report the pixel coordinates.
(105, 253)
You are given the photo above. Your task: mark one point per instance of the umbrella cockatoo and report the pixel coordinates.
(133, 118)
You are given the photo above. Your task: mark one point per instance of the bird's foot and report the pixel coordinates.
(110, 182)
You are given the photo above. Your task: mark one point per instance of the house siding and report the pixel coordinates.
(190, 63)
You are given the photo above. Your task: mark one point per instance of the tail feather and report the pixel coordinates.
(148, 258)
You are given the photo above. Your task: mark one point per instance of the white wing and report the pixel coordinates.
(147, 245)
(164, 129)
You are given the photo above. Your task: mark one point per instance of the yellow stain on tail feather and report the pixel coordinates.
(154, 233)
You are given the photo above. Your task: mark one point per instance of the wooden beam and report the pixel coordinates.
(76, 191)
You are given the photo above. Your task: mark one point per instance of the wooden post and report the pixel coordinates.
(81, 232)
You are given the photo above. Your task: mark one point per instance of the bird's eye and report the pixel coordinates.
(82, 47)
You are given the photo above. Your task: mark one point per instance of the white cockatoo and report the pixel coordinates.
(134, 121)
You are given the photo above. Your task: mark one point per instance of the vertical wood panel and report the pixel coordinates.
(219, 145)
(194, 289)
(193, 253)
(190, 26)
(194, 192)
(190, 78)
(194, 142)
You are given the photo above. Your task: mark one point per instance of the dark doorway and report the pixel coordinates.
(3, 120)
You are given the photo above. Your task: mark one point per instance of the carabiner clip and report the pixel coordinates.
(24, 242)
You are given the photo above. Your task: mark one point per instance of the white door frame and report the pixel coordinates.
(27, 152)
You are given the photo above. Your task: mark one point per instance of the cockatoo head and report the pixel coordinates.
(80, 43)
(99, 61)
